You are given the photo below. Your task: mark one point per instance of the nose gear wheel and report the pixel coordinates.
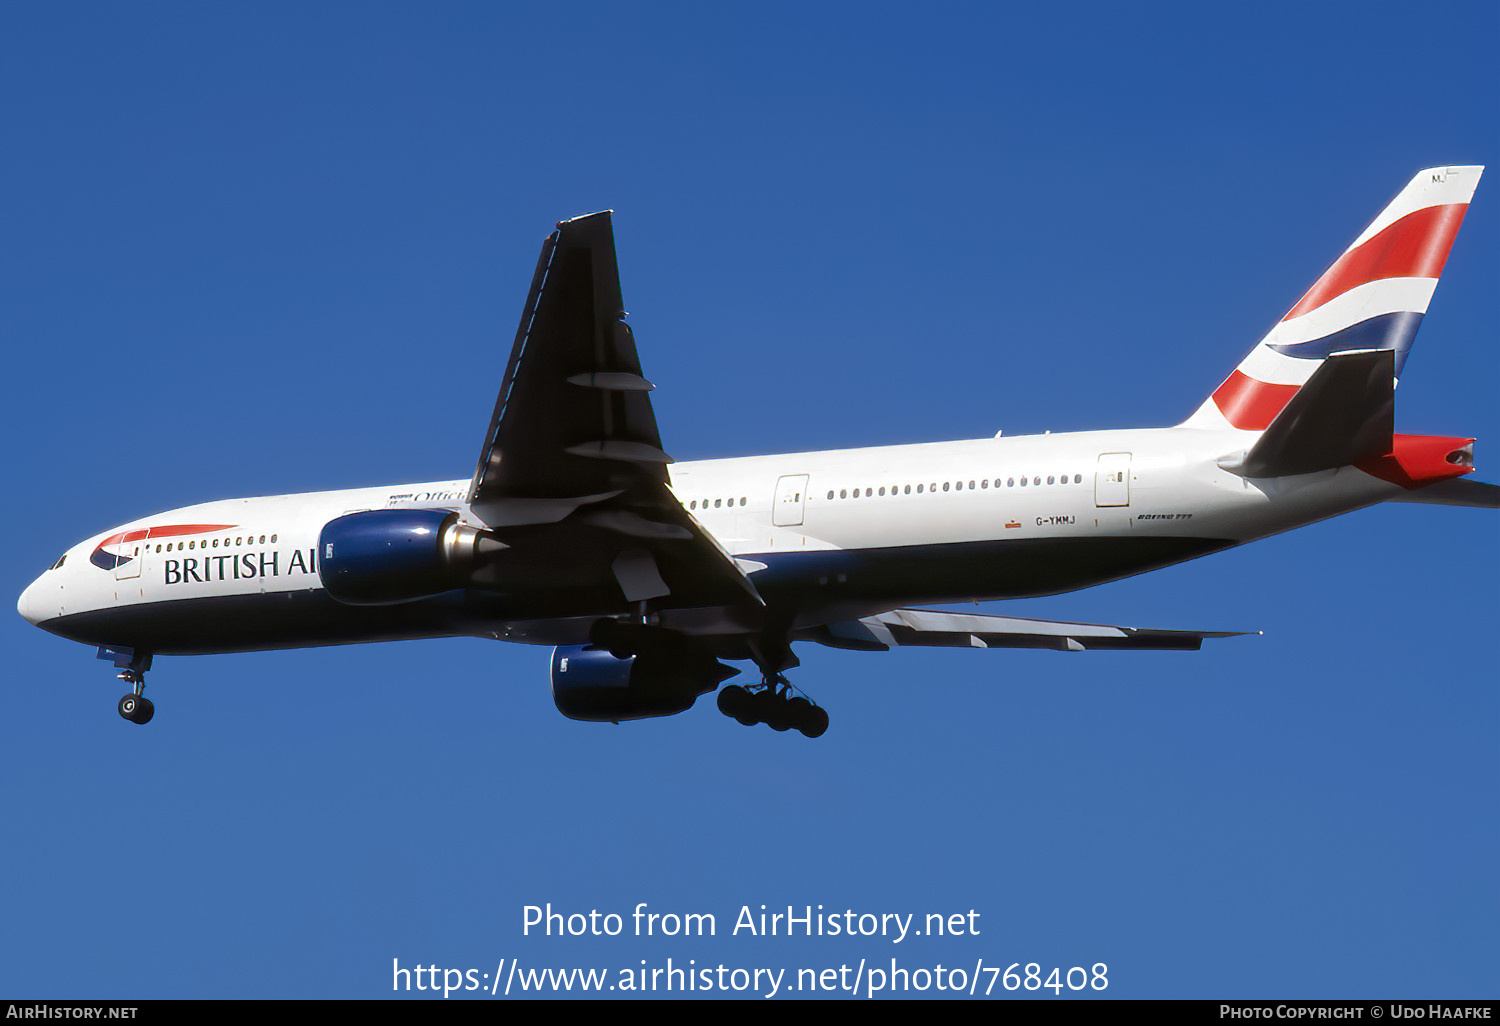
(135, 707)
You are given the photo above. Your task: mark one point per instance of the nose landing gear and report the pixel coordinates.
(135, 707)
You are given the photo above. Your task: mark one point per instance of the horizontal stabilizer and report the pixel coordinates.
(1345, 413)
(1457, 492)
(931, 628)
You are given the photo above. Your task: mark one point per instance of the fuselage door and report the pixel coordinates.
(132, 553)
(791, 493)
(1112, 479)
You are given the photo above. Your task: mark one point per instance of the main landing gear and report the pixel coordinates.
(771, 702)
(135, 707)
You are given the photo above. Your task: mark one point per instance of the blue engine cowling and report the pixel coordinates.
(588, 683)
(385, 556)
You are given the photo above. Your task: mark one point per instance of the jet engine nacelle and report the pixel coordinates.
(588, 683)
(386, 556)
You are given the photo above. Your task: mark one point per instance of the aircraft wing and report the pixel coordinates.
(932, 628)
(573, 440)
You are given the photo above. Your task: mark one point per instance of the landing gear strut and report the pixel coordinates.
(135, 707)
(771, 702)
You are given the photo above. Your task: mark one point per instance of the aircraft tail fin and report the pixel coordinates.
(1372, 298)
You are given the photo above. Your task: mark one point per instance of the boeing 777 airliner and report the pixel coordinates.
(578, 531)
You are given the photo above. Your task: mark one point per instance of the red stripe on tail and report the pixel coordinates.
(1251, 405)
(1416, 246)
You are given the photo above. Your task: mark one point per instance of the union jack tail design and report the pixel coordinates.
(1373, 297)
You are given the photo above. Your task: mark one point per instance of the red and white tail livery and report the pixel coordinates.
(1372, 298)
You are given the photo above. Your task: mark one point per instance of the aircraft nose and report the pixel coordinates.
(30, 604)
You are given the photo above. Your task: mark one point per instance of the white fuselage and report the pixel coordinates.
(873, 528)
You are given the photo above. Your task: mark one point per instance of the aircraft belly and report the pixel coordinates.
(260, 622)
(963, 571)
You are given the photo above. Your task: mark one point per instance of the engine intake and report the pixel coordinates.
(588, 683)
(386, 556)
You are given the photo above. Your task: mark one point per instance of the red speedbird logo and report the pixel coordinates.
(119, 549)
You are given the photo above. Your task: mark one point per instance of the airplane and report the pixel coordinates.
(578, 531)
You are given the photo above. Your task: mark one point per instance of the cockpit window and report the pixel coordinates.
(59, 563)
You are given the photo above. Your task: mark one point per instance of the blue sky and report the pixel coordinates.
(255, 250)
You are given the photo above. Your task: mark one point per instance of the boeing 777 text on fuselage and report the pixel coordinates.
(578, 531)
